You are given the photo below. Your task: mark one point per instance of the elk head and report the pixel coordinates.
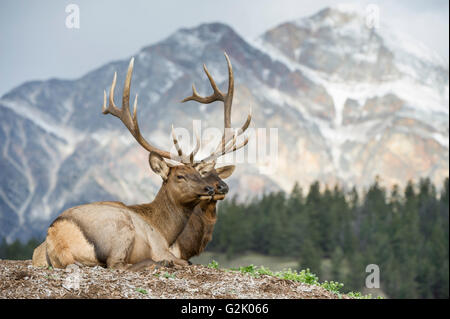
(182, 182)
(215, 176)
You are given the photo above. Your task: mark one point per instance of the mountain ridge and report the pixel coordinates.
(58, 150)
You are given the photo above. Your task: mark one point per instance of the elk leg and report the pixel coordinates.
(144, 264)
(121, 247)
(116, 264)
(169, 257)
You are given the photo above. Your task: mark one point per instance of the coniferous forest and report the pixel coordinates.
(404, 232)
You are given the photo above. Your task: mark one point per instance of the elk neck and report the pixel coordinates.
(209, 213)
(165, 214)
(198, 231)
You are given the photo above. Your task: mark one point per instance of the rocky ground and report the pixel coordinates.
(19, 279)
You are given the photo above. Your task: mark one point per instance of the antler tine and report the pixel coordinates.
(196, 149)
(247, 122)
(130, 121)
(190, 157)
(226, 139)
(221, 151)
(217, 94)
(112, 108)
(224, 146)
(134, 112)
(124, 113)
(126, 88)
(245, 142)
(229, 99)
(175, 142)
(228, 147)
(231, 147)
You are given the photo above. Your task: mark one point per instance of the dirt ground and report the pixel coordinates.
(19, 279)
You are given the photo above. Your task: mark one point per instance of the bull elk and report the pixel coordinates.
(115, 235)
(198, 231)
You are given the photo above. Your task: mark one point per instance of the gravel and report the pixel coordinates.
(19, 279)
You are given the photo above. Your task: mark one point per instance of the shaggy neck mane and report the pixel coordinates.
(198, 231)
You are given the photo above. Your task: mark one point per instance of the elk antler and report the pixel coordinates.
(131, 122)
(224, 146)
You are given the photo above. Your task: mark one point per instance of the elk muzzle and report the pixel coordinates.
(209, 193)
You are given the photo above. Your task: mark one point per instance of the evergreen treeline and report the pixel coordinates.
(17, 250)
(405, 233)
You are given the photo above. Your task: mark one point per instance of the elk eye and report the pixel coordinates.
(180, 177)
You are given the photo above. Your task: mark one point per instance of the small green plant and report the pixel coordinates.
(213, 264)
(304, 276)
(142, 291)
(167, 275)
(265, 271)
(250, 269)
(358, 295)
(332, 286)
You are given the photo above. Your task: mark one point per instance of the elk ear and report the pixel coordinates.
(159, 165)
(225, 171)
(205, 167)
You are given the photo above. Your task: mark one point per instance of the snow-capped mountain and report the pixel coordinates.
(349, 103)
(389, 95)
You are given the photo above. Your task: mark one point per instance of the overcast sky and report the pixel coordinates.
(35, 43)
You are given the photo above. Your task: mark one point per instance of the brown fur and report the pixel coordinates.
(65, 240)
(115, 235)
(197, 233)
(40, 255)
(199, 229)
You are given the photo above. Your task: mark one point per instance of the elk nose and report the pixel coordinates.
(223, 189)
(209, 190)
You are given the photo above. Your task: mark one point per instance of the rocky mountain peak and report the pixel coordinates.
(348, 106)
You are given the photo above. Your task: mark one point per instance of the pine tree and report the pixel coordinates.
(337, 264)
(310, 257)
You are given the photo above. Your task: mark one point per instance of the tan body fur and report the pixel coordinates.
(191, 242)
(40, 255)
(112, 234)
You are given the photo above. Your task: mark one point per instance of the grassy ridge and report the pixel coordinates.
(282, 267)
(304, 276)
